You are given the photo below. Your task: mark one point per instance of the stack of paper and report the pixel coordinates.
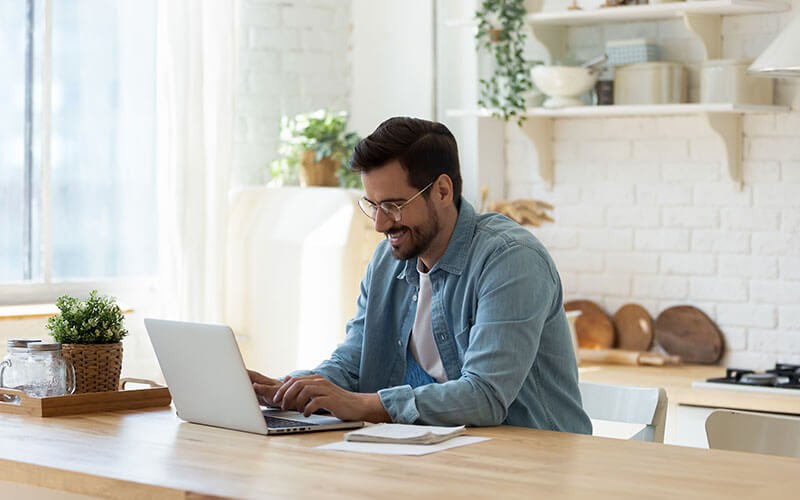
(404, 434)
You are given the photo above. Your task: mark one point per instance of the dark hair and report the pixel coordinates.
(424, 148)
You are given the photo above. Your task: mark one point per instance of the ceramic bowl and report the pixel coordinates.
(563, 85)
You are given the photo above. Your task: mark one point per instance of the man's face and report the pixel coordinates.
(413, 234)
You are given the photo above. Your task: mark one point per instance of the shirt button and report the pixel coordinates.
(414, 298)
(400, 343)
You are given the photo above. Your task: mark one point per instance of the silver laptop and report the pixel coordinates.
(209, 384)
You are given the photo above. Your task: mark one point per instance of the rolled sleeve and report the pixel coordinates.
(400, 404)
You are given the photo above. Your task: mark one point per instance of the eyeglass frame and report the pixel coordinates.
(386, 211)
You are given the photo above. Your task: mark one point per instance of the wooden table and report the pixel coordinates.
(152, 453)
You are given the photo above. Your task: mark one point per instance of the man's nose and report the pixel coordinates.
(383, 222)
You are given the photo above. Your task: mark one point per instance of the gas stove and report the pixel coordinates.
(781, 379)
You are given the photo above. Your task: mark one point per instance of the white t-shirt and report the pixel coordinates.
(422, 345)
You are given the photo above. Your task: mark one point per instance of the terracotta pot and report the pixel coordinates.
(97, 366)
(321, 173)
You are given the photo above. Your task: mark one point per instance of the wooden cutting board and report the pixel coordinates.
(687, 332)
(593, 327)
(634, 328)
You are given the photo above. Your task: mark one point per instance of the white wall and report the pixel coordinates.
(294, 57)
(645, 211)
(393, 61)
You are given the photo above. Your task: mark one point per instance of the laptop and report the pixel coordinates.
(209, 384)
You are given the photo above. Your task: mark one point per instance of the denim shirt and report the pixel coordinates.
(498, 322)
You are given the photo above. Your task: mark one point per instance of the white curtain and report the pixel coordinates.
(196, 82)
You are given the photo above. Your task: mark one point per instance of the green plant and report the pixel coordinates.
(96, 320)
(501, 32)
(324, 133)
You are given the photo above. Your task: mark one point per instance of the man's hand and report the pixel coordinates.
(264, 387)
(310, 393)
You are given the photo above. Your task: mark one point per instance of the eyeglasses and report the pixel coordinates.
(392, 210)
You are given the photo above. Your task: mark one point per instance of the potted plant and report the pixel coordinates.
(501, 32)
(91, 333)
(315, 149)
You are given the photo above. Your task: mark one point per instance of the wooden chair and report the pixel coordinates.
(645, 406)
(754, 432)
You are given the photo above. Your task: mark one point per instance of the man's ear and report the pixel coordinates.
(443, 188)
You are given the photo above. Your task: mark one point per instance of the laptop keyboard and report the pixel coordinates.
(276, 423)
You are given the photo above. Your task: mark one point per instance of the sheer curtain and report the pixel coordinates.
(196, 80)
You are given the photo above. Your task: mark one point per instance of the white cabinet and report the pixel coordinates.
(686, 425)
(295, 258)
(702, 17)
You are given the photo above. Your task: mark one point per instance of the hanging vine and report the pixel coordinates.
(501, 32)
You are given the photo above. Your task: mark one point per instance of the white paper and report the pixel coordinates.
(401, 449)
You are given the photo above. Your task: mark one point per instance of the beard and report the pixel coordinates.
(419, 238)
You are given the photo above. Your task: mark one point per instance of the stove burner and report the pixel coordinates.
(784, 375)
(767, 379)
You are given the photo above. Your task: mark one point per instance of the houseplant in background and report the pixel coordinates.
(315, 149)
(501, 32)
(91, 333)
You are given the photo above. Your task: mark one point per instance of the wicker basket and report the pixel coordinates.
(97, 366)
(321, 173)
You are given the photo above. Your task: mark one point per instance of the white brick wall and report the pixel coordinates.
(294, 57)
(645, 211)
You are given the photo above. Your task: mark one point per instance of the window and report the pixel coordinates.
(77, 141)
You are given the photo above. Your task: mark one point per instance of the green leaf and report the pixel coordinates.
(507, 99)
(323, 132)
(96, 320)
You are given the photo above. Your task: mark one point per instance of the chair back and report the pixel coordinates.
(627, 404)
(754, 432)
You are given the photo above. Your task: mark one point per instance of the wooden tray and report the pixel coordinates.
(73, 404)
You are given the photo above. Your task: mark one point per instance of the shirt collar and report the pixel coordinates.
(455, 256)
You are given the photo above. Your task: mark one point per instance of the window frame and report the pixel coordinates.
(45, 289)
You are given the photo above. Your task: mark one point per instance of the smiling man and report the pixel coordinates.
(460, 317)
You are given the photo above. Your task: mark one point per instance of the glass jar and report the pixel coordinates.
(14, 367)
(49, 373)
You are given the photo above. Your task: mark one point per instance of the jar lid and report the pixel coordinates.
(44, 346)
(21, 342)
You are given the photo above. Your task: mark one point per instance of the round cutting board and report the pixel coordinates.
(634, 327)
(593, 327)
(687, 332)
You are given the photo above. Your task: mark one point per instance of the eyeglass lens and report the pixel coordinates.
(371, 210)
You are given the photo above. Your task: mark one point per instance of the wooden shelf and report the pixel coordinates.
(724, 121)
(631, 13)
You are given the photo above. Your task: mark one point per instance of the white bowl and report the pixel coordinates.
(563, 84)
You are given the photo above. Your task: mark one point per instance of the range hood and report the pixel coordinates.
(782, 57)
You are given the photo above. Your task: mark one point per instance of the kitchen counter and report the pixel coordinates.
(677, 381)
(152, 454)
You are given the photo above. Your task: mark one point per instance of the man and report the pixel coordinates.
(460, 317)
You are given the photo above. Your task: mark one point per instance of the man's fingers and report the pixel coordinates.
(304, 397)
(313, 405)
(259, 378)
(264, 392)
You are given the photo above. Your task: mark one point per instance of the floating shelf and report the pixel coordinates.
(630, 13)
(702, 17)
(724, 120)
(632, 110)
